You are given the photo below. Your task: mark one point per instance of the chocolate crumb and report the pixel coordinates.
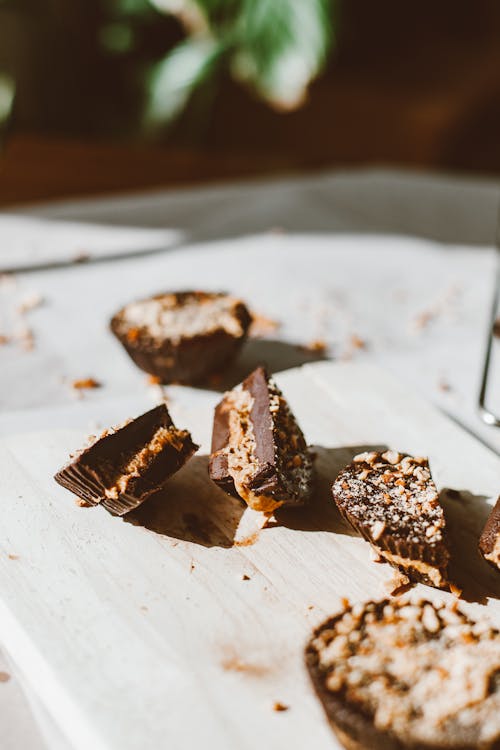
(4, 340)
(496, 328)
(244, 577)
(4, 676)
(278, 706)
(11, 556)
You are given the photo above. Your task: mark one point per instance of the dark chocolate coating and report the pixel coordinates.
(190, 360)
(91, 472)
(356, 728)
(491, 533)
(397, 538)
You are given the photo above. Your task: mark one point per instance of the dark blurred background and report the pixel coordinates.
(100, 95)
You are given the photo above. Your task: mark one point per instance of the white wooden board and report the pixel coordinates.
(142, 636)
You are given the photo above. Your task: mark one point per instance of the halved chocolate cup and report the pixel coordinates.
(124, 467)
(259, 452)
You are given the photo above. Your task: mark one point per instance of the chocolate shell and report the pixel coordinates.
(259, 452)
(123, 467)
(399, 674)
(489, 541)
(391, 500)
(183, 337)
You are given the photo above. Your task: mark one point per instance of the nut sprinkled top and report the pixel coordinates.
(392, 491)
(426, 673)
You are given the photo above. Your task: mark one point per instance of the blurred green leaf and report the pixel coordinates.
(275, 46)
(174, 79)
(281, 46)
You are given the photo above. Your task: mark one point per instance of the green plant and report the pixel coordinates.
(276, 47)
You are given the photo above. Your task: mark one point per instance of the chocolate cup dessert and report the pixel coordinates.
(489, 541)
(123, 467)
(258, 450)
(394, 674)
(391, 500)
(183, 337)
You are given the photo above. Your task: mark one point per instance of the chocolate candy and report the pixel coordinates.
(391, 500)
(399, 674)
(258, 450)
(182, 337)
(124, 466)
(489, 541)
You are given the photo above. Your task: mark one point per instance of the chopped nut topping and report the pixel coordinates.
(424, 672)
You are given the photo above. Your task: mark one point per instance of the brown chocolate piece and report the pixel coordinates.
(391, 500)
(489, 541)
(258, 450)
(123, 467)
(182, 337)
(398, 674)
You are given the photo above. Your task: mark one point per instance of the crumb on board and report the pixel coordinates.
(12, 556)
(4, 339)
(144, 608)
(192, 566)
(357, 342)
(153, 380)
(30, 302)
(345, 603)
(397, 584)
(496, 328)
(444, 305)
(261, 325)
(4, 676)
(81, 257)
(246, 541)
(26, 338)
(423, 319)
(316, 346)
(278, 706)
(444, 386)
(85, 384)
(82, 503)
(235, 664)
(244, 577)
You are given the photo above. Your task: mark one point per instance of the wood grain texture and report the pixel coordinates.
(160, 630)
